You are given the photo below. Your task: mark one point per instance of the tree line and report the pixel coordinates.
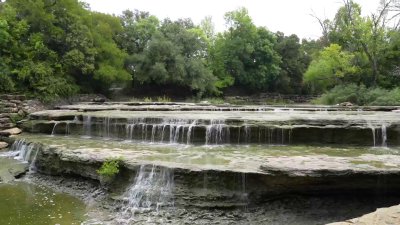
(57, 48)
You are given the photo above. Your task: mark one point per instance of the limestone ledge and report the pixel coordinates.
(258, 180)
(382, 216)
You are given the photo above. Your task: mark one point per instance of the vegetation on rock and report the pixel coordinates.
(109, 168)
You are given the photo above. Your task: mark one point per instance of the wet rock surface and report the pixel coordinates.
(11, 131)
(285, 209)
(3, 145)
(11, 168)
(221, 164)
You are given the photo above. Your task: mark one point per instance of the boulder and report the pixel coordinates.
(3, 145)
(6, 125)
(9, 110)
(99, 99)
(5, 120)
(8, 104)
(346, 104)
(11, 131)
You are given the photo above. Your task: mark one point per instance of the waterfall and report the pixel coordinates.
(87, 125)
(217, 132)
(26, 152)
(54, 128)
(106, 127)
(384, 135)
(67, 128)
(247, 133)
(170, 130)
(373, 132)
(190, 130)
(373, 135)
(151, 190)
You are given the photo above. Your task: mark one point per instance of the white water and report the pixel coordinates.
(87, 125)
(214, 131)
(217, 132)
(169, 130)
(379, 135)
(384, 135)
(151, 190)
(26, 152)
(54, 128)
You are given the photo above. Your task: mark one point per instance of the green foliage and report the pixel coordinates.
(55, 49)
(360, 95)
(293, 65)
(173, 54)
(245, 54)
(148, 99)
(15, 117)
(110, 168)
(164, 99)
(330, 68)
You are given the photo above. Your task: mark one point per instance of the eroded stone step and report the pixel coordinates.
(180, 106)
(226, 175)
(219, 132)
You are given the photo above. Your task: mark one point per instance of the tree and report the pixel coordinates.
(51, 47)
(333, 66)
(138, 29)
(175, 55)
(294, 63)
(246, 53)
(363, 34)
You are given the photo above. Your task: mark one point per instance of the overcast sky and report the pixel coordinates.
(288, 16)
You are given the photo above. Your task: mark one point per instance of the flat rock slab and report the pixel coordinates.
(270, 160)
(382, 216)
(3, 145)
(11, 168)
(12, 131)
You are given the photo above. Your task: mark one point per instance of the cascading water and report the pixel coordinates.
(170, 130)
(26, 152)
(151, 190)
(217, 132)
(384, 135)
(379, 135)
(67, 128)
(54, 128)
(190, 131)
(87, 125)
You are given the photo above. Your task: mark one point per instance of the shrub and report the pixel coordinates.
(148, 99)
(110, 168)
(163, 99)
(390, 98)
(360, 95)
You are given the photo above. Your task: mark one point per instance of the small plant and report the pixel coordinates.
(163, 99)
(110, 168)
(16, 117)
(148, 99)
